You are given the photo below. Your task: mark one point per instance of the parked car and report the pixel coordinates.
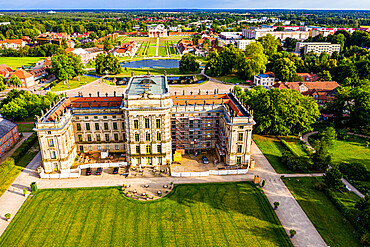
(205, 160)
(115, 170)
(88, 171)
(98, 171)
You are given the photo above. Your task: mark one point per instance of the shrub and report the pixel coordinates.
(22, 149)
(365, 239)
(7, 216)
(342, 134)
(292, 232)
(318, 186)
(288, 147)
(355, 171)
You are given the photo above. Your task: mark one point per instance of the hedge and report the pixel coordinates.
(288, 147)
(5, 167)
(22, 149)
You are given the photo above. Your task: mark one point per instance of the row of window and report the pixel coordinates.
(147, 123)
(6, 145)
(7, 136)
(149, 160)
(148, 149)
(147, 137)
(97, 126)
(98, 138)
(97, 117)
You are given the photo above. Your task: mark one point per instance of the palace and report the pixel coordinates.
(158, 30)
(145, 125)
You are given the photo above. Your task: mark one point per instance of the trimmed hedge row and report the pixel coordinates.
(288, 147)
(6, 167)
(22, 149)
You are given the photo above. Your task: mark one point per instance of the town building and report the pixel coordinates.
(9, 135)
(230, 35)
(157, 30)
(5, 70)
(145, 126)
(86, 54)
(256, 33)
(242, 44)
(27, 79)
(126, 49)
(308, 77)
(317, 47)
(265, 80)
(15, 44)
(321, 91)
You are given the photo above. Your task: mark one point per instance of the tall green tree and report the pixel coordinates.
(15, 81)
(188, 63)
(270, 44)
(284, 67)
(255, 62)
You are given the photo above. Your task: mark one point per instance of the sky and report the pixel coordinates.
(189, 4)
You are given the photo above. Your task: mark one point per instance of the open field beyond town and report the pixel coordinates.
(329, 222)
(17, 62)
(221, 214)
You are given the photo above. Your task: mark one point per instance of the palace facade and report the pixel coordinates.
(145, 125)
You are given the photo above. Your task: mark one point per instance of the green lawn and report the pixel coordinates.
(330, 223)
(230, 79)
(162, 52)
(153, 71)
(220, 214)
(73, 83)
(272, 148)
(152, 51)
(17, 62)
(13, 173)
(25, 127)
(294, 143)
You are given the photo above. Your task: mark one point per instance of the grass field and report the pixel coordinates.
(351, 150)
(7, 180)
(73, 83)
(230, 79)
(330, 223)
(17, 62)
(153, 71)
(220, 214)
(25, 127)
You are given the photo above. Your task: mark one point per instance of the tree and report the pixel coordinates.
(324, 76)
(292, 232)
(2, 83)
(332, 177)
(66, 67)
(107, 63)
(321, 158)
(329, 135)
(7, 216)
(276, 204)
(255, 61)
(24, 191)
(188, 63)
(270, 44)
(15, 81)
(339, 39)
(108, 44)
(283, 66)
(363, 209)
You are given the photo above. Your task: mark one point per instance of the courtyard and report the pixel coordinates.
(221, 214)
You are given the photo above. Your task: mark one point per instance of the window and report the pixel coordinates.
(116, 137)
(158, 136)
(89, 138)
(138, 149)
(105, 126)
(159, 160)
(107, 137)
(238, 160)
(90, 148)
(116, 147)
(115, 126)
(108, 147)
(148, 149)
(149, 160)
(114, 117)
(146, 123)
(87, 126)
(158, 123)
(240, 137)
(240, 148)
(51, 143)
(95, 117)
(147, 137)
(123, 125)
(55, 167)
(80, 138)
(159, 148)
(96, 126)
(105, 117)
(136, 124)
(138, 161)
(99, 147)
(137, 137)
(241, 127)
(78, 126)
(98, 137)
(49, 132)
(53, 155)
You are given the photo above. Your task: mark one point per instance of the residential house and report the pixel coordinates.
(9, 135)
(27, 79)
(15, 44)
(5, 70)
(265, 80)
(126, 49)
(321, 91)
(308, 77)
(185, 46)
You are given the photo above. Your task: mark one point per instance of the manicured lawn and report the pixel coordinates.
(25, 127)
(162, 51)
(272, 148)
(153, 71)
(330, 223)
(294, 143)
(221, 214)
(73, 83)
(231, 79)
(8, 178)
(351, 150)
(17, 62)
(152, 51)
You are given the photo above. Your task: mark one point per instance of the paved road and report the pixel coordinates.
(305, 139)
(9, 153)
(13, 198)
